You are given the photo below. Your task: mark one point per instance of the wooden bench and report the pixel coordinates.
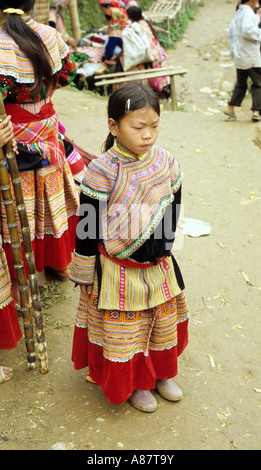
(164, 11)
(139, 75)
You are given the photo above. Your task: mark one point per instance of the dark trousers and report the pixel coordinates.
(240, 88)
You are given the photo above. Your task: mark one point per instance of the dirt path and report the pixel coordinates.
(219, 371)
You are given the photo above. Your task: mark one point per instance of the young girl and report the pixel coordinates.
(160, 57)
(117, 20)
(132, 318)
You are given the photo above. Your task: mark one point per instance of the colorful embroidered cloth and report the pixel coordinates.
(119, 19)
(50, 198)
(42, 136)
(138, 192)
(159, 55)
(130, 3)
(82, 268)
(49, 192)
(16, 71)
(123, 334)
(113, 3)
(5, 288)
(134, 289)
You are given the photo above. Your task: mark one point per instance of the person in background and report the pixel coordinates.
(247, 59)
(56, 20)
(132, 320)
(232, 32)
(129, 3)
(135, 15)
(117, 19)
(35, 61)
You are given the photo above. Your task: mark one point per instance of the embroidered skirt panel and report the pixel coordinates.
(51, 201)
(126, 350)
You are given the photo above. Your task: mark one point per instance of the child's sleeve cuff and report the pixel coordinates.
(82, 269)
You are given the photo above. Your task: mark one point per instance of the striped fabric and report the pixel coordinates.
(122, 334)
(138, 192)
(50, 198)
(41, 136)
(119, 17)
(135, 289)
(119, 20)
(82, 269)
(13, 61)
(5, 289)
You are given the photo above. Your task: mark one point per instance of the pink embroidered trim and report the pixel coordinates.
(122, 287)
(165, 286)
(166, 290)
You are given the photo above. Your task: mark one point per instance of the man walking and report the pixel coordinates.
(247, 59)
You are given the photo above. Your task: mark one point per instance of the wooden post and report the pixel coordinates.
(173, 93)
(18, 261)
(76, 27)
(168, 30)
(17, 253)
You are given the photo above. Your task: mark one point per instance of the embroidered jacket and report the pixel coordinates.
(128, 206)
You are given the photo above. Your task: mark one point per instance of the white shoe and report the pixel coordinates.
(143, 400)
(169, 389)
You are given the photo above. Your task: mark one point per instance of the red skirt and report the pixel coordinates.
(10, 331)
(118, 380)
(49, 252)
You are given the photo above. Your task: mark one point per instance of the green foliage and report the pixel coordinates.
(177, 28)
(145, 4)
(91, 16)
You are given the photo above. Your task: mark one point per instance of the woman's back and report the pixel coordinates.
(19, 75)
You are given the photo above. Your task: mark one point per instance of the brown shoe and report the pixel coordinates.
(169, 389)
(143, 400)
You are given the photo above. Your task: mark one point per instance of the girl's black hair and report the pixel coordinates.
(29, 42)
(135, 14)
(127, 98)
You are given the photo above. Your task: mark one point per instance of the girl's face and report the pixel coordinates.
(137, 131)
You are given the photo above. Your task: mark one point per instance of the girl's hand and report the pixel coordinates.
(14, 147)
(87, 290)
(6, 131)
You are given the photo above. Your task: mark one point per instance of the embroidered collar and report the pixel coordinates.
(127, 154)
(138, 199)
(25, 17)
